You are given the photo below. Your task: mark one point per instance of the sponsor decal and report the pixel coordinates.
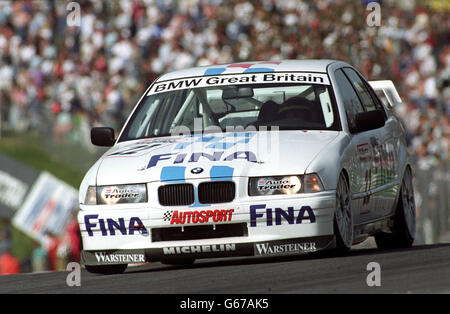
(141, 148)
(193, 249)
(134, 150)
(201, 216)
(103, 257)
(135, 193)
(278, 215)
(195, 157)
(265, 185)
(221, 141)
(191, 149)
(250, 75)
(364, 152)
(274, 248)
(120, 193)
(112, 227)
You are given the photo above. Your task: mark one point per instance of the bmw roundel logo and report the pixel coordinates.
(197, 170)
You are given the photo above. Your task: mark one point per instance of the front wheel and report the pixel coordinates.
(343, 219)
(404, 230)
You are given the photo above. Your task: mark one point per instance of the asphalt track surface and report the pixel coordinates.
(420, 269)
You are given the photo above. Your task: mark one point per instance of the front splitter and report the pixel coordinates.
(185, 252)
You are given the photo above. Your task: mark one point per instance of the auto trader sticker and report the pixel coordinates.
(239, 79)
(264, 185)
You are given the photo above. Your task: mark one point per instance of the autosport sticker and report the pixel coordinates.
(198, 216)
(239, 79)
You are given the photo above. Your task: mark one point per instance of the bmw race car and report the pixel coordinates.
(249, 159)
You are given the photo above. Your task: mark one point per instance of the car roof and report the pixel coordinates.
(307, 65)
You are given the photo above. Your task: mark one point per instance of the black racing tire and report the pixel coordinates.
(343, 218)
(404, 226)
(106, 269)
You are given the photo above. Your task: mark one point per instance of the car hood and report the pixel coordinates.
(212, 156)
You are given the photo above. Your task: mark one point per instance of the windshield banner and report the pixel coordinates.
(240, 79)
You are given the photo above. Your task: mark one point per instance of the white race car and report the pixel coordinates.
(249, 159)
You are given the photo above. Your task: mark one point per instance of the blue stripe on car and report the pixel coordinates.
(258, 70)
(221, 173)
(173, 173)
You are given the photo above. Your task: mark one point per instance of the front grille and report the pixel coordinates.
(208, 193)
(176, 194)
(199, 232)
(216, 192)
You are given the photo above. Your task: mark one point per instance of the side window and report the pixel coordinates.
(352, 104)
(361, 89)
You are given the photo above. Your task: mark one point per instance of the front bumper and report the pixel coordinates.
(123, 234)
(266, 248)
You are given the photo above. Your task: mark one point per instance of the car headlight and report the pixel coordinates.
(116, 194)
(294, 184)
(91, 196)
(312, 183)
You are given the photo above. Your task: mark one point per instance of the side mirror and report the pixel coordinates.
(102, 136)
(369, 120)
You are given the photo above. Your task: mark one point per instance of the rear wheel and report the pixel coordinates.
(343, 219)
(106, 269)
(404, 230)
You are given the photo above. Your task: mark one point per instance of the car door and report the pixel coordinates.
(382, 177)
(361, 150)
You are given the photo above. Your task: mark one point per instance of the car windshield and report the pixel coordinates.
(228, 108)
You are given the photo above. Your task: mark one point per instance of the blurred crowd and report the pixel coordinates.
(65, 79)
(71, 78)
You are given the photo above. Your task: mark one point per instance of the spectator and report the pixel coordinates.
(74, 235)
(39, 259)
(52, 251)
(8, 263)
